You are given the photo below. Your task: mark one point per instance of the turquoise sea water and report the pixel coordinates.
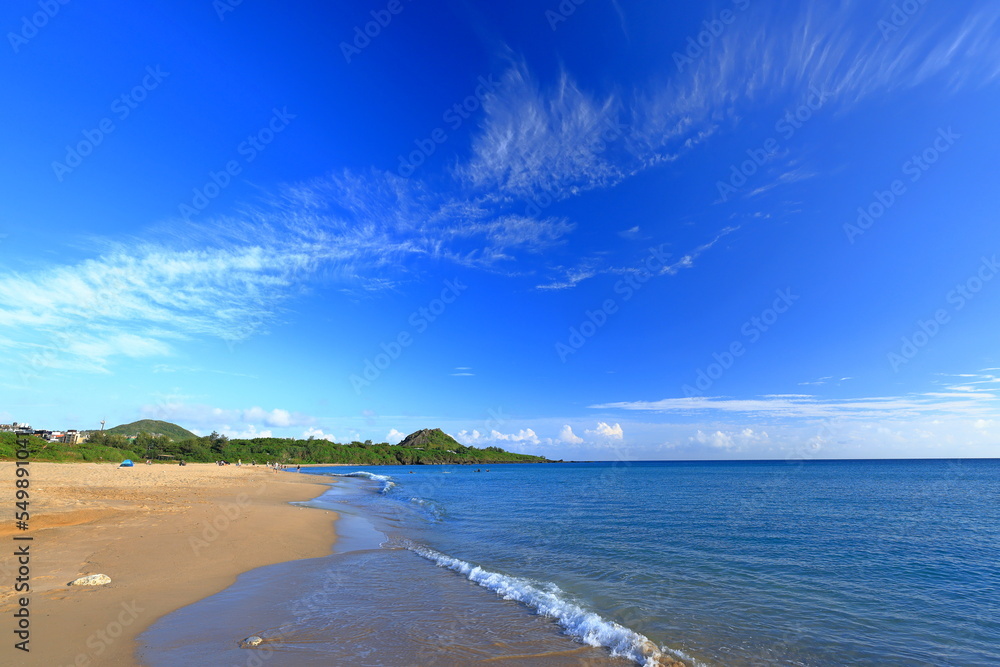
(808, 563)
(749, 563)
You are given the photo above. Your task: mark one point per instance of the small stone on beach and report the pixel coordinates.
(91, 580)
(250, 642)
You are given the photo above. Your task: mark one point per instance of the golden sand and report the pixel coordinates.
(167, 536)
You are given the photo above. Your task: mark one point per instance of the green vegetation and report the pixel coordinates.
(428, 438)
(423, 447)
(152, 427)
(56, 451)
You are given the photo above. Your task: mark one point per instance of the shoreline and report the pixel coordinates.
(167, 536)
(390, 605)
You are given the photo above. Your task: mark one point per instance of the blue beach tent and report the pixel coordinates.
(127, 463)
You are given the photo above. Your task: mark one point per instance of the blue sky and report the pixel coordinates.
(630, 230)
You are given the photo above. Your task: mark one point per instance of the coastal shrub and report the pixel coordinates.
(111, 454)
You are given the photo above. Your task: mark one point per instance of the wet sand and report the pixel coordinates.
(373, 608)
(167, 536)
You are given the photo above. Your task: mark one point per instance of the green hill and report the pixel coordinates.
(152, 427)
(424, 447)
(429, 438)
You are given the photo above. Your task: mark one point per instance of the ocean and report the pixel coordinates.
(702, 563)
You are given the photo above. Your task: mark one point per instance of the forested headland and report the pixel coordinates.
(427, 446)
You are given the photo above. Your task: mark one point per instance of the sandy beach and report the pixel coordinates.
(166, 535)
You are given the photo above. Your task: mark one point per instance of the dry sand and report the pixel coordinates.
(167, 536)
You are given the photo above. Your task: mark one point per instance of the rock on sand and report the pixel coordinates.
(91, 580)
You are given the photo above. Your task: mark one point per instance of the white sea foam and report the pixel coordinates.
(548, 600)
(386, 480)
(362, 473)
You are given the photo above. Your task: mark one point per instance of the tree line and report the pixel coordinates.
(216, 447)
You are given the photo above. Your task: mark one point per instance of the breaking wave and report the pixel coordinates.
(550, 601)
(386, 480)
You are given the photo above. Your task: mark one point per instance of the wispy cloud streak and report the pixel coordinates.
(561, 139)
(952, 401)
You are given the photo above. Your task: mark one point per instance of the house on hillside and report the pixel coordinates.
(15, 427)
(72, 437)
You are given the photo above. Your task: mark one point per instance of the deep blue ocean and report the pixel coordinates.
(721, 563)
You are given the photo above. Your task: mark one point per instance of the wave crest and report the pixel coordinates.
(386, 480)
(550, 601)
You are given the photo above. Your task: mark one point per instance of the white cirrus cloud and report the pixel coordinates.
(970, 398)
(231, 277)
(558, 140)
(550, 140)
(362, 229)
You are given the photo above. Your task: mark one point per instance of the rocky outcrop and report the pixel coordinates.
(91, 580)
